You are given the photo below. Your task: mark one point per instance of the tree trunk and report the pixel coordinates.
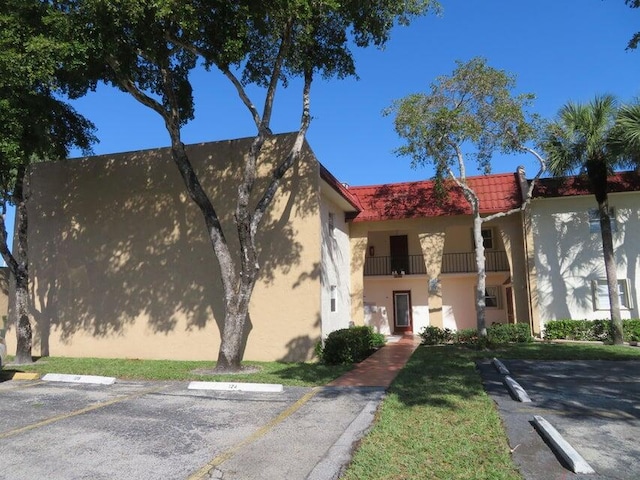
(19, 269)
(482, 276)
(23, 323)
(234, 332)
(611, 272)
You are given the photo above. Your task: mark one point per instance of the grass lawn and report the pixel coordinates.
(293, 374)
(437, 422)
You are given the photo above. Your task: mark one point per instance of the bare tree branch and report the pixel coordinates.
(305, 120)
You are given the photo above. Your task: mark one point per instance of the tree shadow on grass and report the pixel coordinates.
(312, 373)
(438, 376)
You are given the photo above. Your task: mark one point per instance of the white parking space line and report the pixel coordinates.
(236, 386)
(82, 411)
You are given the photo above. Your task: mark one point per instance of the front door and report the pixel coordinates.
(511, 318)
(399, 247)
(402, 321)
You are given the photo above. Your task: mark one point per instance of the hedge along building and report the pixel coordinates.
(121, 265)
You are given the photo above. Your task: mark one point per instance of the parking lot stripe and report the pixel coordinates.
(82, 411)
(204, 472)
(21, 386)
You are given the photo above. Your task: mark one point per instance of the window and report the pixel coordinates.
(333, 298)
(487, 238)
(601, 294)
(594, 220)
(332, 222)
(492, 297)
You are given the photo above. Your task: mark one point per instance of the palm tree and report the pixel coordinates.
(595, 139)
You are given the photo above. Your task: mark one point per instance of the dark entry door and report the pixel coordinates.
(399, 246)
(402, 321)
(511, 318)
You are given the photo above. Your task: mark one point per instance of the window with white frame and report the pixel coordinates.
(601, 294)
(487, 238)
(492, 296)
(594, 220)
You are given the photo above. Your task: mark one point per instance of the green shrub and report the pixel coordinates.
(497, 334)
(466, 335)
(500, 333)
(564, 329)
(593, 330)
(433, 335)
(377, 340)
(349, 345)
(577, 330)
(632, 330)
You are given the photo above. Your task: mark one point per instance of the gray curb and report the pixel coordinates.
(516, 390)
(339, 455)
(500, 366)
(574, 460)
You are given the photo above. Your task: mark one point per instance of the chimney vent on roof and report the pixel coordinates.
(522, 181)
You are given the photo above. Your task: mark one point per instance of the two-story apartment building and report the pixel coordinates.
(120, 264)
(413, 255)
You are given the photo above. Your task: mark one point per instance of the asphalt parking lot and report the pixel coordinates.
(161, 430)
(594, 405)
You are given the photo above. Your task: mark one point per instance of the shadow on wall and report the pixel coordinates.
(629, 250)
(569, 258)
(584, 259)
(301, 346)
(116, 239)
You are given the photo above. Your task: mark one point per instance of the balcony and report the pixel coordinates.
(496, 261)
(405, 265)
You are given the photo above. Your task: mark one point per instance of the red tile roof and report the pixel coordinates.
(393, 201)
(579, 185)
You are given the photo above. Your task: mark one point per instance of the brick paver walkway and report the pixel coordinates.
(380, 369)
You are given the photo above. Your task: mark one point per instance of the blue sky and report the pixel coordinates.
(558, 49)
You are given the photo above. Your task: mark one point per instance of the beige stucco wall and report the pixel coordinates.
(458, 300)
(122, 267)
(379, 301)
(511, 234)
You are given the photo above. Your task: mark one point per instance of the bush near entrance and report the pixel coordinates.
(593, 330)
(497, 334)
(349, 345)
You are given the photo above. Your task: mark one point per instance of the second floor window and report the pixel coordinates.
(594, 220)
(487, 238)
